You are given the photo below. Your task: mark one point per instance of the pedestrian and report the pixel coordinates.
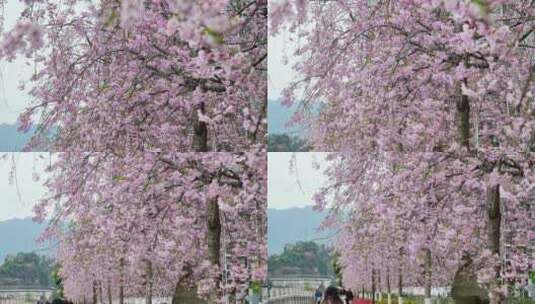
(318, 295)
(42, 299)
(332, 296)
(349, 296)
(342, 293)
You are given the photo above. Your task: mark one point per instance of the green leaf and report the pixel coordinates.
(482, 4)
(112, 18)
(256, 287)
(118, 178)
(218, 38)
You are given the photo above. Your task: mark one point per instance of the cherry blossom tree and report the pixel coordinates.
(430, 104)
(427, 214)
(161, 75)
(145, 224)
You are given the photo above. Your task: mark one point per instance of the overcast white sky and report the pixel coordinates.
(293, 187)
(280, 47)
(279, 75)
(20, 195)
(12, 101)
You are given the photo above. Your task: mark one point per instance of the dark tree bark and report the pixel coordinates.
(428, 275)
(200, 131)
(148, 282)
(388, 287)
(400, 279)
(186, 294)
(214, 236)
(494, 219)
(110, 299)
(374, 288)
(121, 281)
(465, 289)
(95, 299)
(100, 293)
(463, 119)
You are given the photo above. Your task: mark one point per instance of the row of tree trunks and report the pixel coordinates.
(97, 286)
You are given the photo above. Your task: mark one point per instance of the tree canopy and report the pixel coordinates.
(27, 269)
(306, 258)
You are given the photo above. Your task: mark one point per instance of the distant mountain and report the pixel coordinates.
(19, 235)
(287, 226)
(279, 116)
(11, 140)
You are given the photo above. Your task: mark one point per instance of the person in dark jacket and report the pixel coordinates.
(332, 296)
(349, 296)
(318, 295)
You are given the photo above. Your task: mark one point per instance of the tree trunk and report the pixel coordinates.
(214, 237)
(148, 282)
(494, 218)
(494, 225)
(214, 232)
(428, 275)
(186, 294)
(110, 298)
(465, 289)
(232, 298)
(379, 288)
(95, 299)
(388, 289)
(373, 285)
(400, 286)
(100, 293)
(400, 280)
(200, 131)
(462, 118)
(121, 281)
